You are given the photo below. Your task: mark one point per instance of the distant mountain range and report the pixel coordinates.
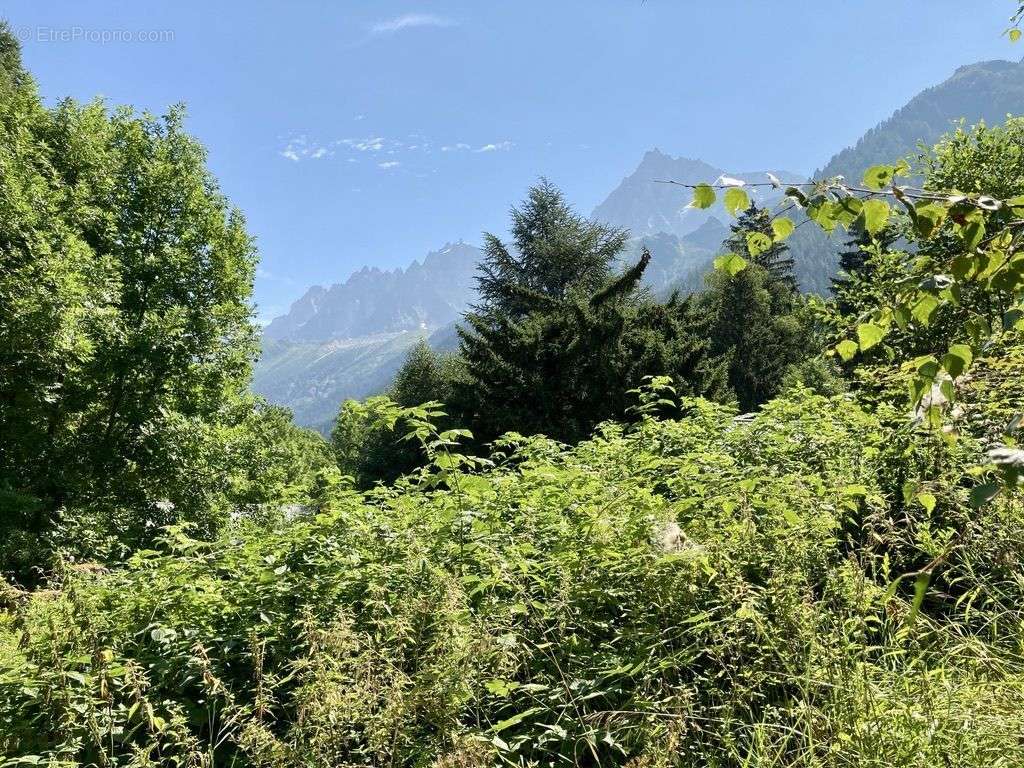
(349, 339)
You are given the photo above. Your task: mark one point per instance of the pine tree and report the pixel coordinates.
(774, 259)
(754, 328)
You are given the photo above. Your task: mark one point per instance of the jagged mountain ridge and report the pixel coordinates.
(423, 296)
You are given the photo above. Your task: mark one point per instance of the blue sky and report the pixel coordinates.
(355, 133)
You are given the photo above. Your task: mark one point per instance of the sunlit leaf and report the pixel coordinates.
(736, 200)
(876, 215)
(782, 228)
(869, 334)
(758, 243)
(731, 263)
(846, 349)
(703, 196)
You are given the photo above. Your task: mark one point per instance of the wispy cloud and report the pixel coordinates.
(301, 148)
(501, 146)
(409, 21)
(388, 151)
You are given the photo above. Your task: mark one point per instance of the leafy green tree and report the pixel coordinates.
(368, 437)
(754, 239)
(126, 339)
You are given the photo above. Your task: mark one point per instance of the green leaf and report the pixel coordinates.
(731, 263)
(928, 218)
(920, 588)
(972, 233)
(736, 200)
(927, 501)
(758, 243)
(846, 349)
(958, 359)
(924, 308)
(876, 215)
(782, 228)
(879, 177)
(1014, 35)
(703, 196)
(869, 334)
(983, 494)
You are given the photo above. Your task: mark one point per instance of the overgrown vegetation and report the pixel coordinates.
(745, 528)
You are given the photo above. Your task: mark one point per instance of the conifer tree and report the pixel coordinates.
(558, 338)
(773, 257)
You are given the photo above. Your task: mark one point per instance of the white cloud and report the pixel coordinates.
(389, 164)
(501, 146)
(365, 145)
(410, 21)
(300, 148)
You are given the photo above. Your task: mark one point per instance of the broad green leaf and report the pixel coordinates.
(782, 228)
(876, 215)
(869, 334)
(758, 243)
(972, 233)
(958, 359)
(703, 196)
(736, 200)
(928, 217)
(920, 588)
(924, 308)
(879, 177)
(731, 263)
(846, 349)
(983, 494)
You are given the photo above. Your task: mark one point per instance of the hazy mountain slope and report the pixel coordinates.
(347, 341)
(314, 378)
(678, 262)
(988, 90)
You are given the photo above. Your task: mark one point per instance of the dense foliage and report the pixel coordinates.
(832, 579)
(126, 338)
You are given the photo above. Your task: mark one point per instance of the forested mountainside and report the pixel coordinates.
(987, 91)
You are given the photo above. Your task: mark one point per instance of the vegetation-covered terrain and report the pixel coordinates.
(739, 528)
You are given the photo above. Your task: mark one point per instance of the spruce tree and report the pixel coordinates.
(558, 338)
(774, 259)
